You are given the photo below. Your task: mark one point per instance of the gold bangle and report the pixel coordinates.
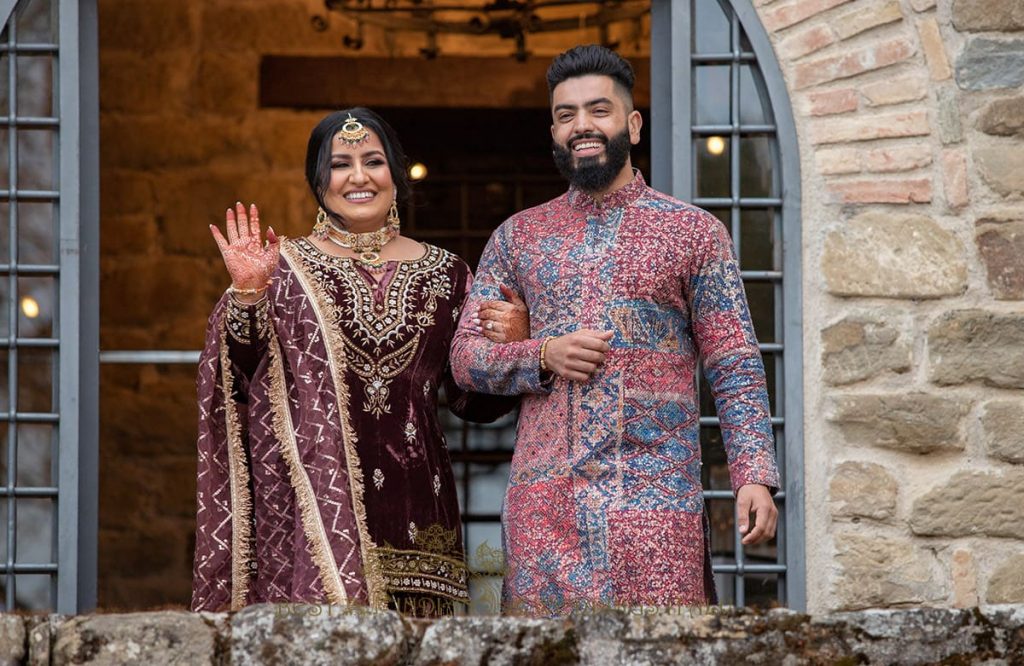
(248, 292)
(543, 351)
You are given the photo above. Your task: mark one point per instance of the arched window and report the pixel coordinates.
(724, 139)
(49, 283)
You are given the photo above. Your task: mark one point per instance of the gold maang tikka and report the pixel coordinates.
(352, 132)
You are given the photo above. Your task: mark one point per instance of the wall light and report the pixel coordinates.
(418, 171)
(716, 145)
(30, 307)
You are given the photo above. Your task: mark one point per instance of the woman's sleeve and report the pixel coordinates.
(247, 335)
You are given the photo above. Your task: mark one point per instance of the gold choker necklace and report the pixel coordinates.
(368, 244)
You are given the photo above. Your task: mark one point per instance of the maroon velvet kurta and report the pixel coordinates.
(323, 472)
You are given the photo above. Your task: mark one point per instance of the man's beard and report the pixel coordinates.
(591, 174)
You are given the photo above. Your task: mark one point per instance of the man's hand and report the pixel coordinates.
(576, 356)
(754, 498)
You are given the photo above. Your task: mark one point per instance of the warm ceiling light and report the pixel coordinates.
(716, 145)
(418, 171)
(30, 307)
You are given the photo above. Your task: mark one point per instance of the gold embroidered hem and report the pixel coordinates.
(238, 481)
(423, 572)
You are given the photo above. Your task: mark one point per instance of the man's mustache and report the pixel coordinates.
(587, 135)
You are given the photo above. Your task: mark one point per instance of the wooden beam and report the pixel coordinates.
(309, 82)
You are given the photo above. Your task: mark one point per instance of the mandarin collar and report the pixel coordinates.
(621, 197)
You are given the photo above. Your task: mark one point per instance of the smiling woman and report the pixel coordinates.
(323, 471)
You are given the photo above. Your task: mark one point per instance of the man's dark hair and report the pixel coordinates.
(318, 152)
(591, 59)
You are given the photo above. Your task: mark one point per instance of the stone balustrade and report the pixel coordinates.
(299, 634)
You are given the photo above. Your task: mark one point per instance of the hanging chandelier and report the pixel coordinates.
(509, 19)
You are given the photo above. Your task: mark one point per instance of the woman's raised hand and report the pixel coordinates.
(249, 260)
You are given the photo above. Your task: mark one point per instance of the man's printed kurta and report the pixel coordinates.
(604, 504)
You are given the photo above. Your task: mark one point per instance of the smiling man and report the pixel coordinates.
(627, 288)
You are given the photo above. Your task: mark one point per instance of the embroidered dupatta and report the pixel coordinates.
(292, 415)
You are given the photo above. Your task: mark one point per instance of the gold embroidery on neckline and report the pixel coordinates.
(372, 333)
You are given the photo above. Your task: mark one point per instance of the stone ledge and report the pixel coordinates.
(283, 634)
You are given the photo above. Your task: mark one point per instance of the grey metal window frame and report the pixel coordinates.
(672, 166)
(76, 344)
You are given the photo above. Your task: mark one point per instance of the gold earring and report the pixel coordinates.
(322, 226)
(393, 221)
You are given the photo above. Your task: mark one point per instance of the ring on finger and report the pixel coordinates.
(490, 326)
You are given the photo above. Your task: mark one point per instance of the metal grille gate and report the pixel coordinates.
(49, 279)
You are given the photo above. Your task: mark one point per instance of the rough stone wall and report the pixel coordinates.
(323, 635)
(910, 115)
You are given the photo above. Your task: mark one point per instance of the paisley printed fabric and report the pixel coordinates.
(604, 505)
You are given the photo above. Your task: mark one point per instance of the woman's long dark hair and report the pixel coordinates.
(318, 152)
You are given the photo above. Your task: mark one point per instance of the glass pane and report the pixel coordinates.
(35, 454)
(37, 306)
(34, 532)
(771, 376)
(37, 226)
(472, 248)
(757, 240)
(761, 590)
(723, 516)
(35, 380)
(36, 164)
(441, 206)
(756, 166)
(725, 584)
(712, 173)
(490, 204)
(3, 537)
(5, 404)
(35, 22)
(707, 403)
(761, 298)
(4, 88)
(536, 193)
(483, 547)
(722, 214)
(715, 471)
(710, 28)
(35, 592)
(5, 230)
(5, 171)
(497, 436)
(753, 96)
(487, 487)
(35, 86)
(712, 95)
